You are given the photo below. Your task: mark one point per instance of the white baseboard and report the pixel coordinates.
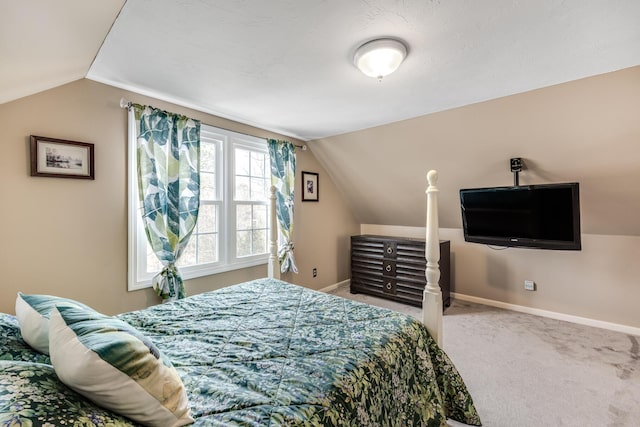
(551, 314)
(335, 286)
(631, 330)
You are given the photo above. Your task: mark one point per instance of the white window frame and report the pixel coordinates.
(138, 278)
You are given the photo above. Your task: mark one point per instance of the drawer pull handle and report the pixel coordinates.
(389, 250)
(388, 268)
(388, 286)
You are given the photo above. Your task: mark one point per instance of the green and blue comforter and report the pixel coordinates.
(268, 353)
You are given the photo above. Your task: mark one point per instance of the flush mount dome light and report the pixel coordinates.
(380, 57)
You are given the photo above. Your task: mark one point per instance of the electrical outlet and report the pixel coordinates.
(529, 285)
(315, 272)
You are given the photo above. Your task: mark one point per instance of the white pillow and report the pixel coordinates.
(114, 365)
(33, 312)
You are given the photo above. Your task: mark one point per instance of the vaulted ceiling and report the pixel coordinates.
(287, 66)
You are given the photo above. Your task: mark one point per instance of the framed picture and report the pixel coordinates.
(61, 159)
(309, 187)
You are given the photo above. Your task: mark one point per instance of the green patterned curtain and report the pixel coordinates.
(283, 172)
(168, 151)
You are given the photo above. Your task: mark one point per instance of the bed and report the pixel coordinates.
(261, 353)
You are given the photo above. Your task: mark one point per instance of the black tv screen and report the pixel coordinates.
(545, 216)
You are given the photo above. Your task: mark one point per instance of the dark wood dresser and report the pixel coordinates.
(394, 267)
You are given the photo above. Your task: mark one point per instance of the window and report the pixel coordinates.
(249, 198)
(232, 229)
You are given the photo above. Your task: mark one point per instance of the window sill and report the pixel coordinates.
(195, 272)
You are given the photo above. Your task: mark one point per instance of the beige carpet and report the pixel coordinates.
(525, 370)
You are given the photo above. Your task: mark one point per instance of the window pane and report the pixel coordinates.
(259, 241)
(243, 217)
(242, 161)
(242, 188)
(258, 162)
(207, 157)
(207, 219)
(258, 189)
(207, 186)
(243, 243)
(207, 248)
(260, 216)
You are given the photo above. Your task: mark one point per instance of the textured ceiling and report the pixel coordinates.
(287, 65)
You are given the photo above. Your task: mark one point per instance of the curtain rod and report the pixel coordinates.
(128, 104)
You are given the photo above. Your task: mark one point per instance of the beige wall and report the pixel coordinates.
(586, 131)
(322, 231)
(69, 237)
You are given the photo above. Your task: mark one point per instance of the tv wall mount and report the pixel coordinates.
(516, 167)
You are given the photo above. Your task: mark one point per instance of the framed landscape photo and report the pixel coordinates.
(60, 158)
(310, 187)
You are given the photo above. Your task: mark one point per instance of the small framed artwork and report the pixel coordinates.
(60, 158)
(310, 187)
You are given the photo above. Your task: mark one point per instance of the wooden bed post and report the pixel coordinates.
(432, 296)
(273, 263)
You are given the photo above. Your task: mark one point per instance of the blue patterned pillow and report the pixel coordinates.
(33, 315)
(114, 365)
(31, 394)
(12, 346)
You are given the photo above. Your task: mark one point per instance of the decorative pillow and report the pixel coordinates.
(113, 364)
(12, 346)
(33, 315)
(32, 395)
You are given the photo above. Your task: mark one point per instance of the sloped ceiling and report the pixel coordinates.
(44, 44)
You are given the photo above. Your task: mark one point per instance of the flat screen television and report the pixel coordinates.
(545, 216)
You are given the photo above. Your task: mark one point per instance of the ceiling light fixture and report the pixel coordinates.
(380, 57)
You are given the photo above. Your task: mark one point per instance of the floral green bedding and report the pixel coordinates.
(32, 395)
(270, 353)
(267, 353)
(12, 346)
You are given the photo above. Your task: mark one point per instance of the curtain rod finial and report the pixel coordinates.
(124, 103)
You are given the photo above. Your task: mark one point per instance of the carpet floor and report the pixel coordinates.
(526, 370)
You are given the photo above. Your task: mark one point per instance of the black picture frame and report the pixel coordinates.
(310, 187)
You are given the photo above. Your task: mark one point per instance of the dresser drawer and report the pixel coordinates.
(388, 267)
(390, 249)
(388, 287)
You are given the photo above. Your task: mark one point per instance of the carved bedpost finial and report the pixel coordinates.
(432, 178)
